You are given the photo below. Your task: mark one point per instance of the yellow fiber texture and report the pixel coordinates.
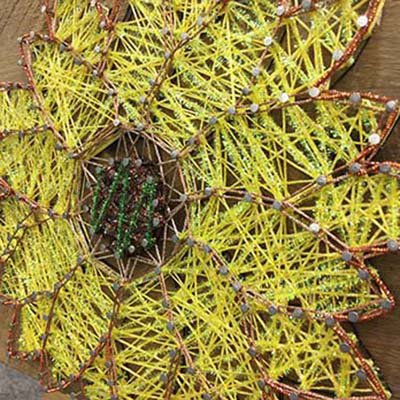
(285, 203)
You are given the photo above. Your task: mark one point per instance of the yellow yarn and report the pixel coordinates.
(243, 98)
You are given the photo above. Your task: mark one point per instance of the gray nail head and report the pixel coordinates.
(116, 286)
(247, 197)
(237, 286)
(245, 91)
(252, 351)
(330, 321)
(244, 308)
(355, 98)
(390, 106)
(190, 371)
(256, 71)
(165, 303)
(346, 256)
(231, 110)
(163, 377)
(191, 141)
(261, 384)
(386, 304)
(363, 274)
(254, 108)
(170, 326)
(172, 353)
(213, 120)
(200, 20)
(223, 270)
(321, 180)
(355, 168)
(156, 222)
(190, 242)
(276, 205)
(353, 316)
(392, 245)
(207, 249)
(384, 168)
(272, 310)
(175, 238)
(344, 347)
(293, 396)
(208, 191)
(174, 154)
(298, 313)
(361, 375)
(306, 5)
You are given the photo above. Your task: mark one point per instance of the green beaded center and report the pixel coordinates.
(125, 200)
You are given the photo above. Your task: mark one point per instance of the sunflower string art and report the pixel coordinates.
(188, 210)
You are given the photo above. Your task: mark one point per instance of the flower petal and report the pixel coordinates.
(362, 210)
(65, 326)
(33, 268)
(33, 167)
(81, 25)
(290, 354)
(17, 110)
(284, 148)
(282, 263)
(309, 359)
(73, 95)
(139, 352)
(198, 60)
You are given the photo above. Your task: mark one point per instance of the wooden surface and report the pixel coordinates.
(377, 70)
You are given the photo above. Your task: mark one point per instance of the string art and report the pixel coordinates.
(188, 209)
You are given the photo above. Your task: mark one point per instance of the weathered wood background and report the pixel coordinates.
(377, 70)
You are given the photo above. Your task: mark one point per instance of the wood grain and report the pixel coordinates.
(377, 70)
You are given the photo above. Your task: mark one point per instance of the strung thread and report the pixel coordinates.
(260, 175)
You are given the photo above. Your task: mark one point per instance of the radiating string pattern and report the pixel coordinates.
(188, 208)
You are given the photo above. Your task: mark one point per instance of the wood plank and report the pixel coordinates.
(16, 18)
